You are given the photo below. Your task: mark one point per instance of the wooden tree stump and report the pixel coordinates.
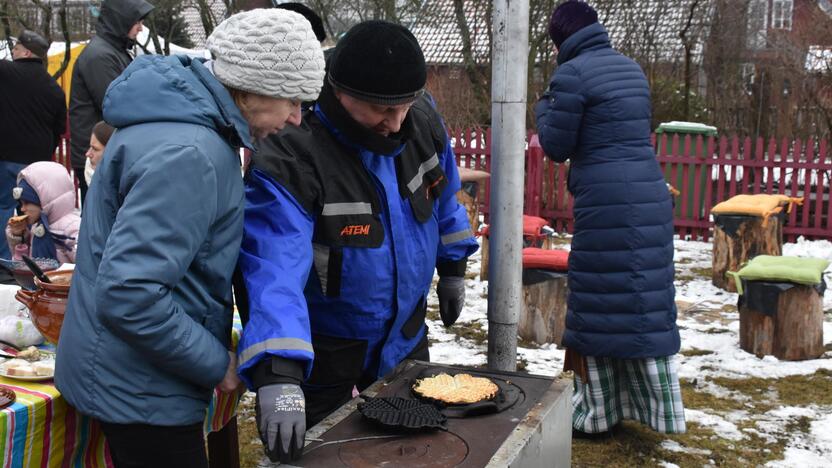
(484, 258)
(472, 208)
(793, 333)
(752, 238)
(543, 317)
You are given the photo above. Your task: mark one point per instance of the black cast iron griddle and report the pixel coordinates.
(507, 395)
(402, 413)
(347, 439)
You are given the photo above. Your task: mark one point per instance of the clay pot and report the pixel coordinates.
(47, 303)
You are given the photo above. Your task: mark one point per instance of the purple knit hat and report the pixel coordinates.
(568, 18)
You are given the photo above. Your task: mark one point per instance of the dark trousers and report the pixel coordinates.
(142, 445)
(336, 370)
(8, 181)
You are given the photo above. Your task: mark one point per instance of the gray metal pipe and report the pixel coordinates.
(509, 65)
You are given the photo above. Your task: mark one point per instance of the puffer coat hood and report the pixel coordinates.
(54, 187)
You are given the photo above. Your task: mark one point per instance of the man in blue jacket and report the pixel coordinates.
(346, 220)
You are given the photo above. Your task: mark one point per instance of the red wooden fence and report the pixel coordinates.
(706, 171)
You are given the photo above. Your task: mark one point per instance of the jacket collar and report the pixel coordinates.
(592, 37)
(29, 60)
(234, 127)
(350, 132)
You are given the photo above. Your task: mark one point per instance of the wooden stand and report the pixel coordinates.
(794, 333)
(751, 239)
(543, 317)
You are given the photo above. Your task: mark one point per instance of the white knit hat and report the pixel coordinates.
(271, 52)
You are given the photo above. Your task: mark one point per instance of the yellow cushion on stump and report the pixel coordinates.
(761, 205)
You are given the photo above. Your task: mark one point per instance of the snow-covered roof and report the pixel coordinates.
(144, 38)
(819, 59)
(438, 32)
(650, 27)
(190, 13)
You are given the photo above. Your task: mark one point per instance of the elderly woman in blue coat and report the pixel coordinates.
(621, 333)
(147, 329)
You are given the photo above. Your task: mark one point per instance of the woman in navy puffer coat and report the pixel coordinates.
(621, 311)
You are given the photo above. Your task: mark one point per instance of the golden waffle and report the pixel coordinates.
(457, 389)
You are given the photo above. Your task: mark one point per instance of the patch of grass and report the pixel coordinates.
(729, 308)
(683, 261)
(470, 330)
(684, 277)
(715, 331)
(634, 444)
(522, 364)
(433, 312)
(529, 344)
(694, 398)
(695, 352)
(251, 449)
(801, 424)
(702, 272)
(471, 275)
(795, 390)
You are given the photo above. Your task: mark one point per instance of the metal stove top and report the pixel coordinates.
(347, 439)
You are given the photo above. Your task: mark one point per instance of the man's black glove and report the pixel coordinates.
(281, 420)
(451, 292)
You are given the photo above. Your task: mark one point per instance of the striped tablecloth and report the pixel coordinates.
(41, 430)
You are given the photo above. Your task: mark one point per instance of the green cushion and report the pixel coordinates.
(800, 270)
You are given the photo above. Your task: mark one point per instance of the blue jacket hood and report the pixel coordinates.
(174, 89)
(591, 37)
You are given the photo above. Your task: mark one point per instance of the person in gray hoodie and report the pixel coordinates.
(104, 58)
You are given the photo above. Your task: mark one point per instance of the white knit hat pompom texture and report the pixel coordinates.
(271, 52)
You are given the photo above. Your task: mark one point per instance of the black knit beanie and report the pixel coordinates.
(378, 62)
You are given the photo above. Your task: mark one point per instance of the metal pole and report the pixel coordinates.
(508, 122)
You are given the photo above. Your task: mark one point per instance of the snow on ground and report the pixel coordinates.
(708, 321)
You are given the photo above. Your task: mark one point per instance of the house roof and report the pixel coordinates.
(190, 13)
(439, 34)
(652, 28)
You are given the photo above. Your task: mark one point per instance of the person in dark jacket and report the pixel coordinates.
(147, 328)
(101, 61)
(346, 221)
(32, 119)
(621, 331)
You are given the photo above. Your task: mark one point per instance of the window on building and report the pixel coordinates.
(781, 14)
